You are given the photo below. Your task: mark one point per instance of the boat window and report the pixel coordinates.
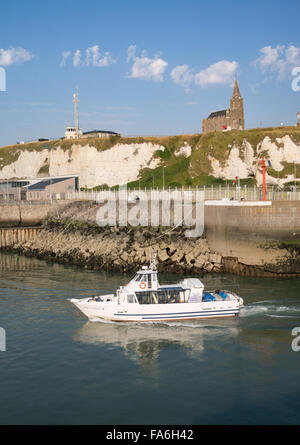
(130, 298)
(149, 281)
(160, 297)
(138, 277)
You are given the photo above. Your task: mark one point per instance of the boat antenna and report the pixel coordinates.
(153, 263)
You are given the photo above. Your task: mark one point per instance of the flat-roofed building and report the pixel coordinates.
(52, 188)
(13, 190)
(99, 134)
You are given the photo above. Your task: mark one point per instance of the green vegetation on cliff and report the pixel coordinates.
(175, 169)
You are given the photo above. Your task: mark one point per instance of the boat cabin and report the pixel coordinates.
(144, 288)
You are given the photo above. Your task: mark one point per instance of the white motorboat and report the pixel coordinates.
(143, 299)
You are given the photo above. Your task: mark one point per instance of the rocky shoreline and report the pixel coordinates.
(78, 240)
(127, 249)
(120, 249)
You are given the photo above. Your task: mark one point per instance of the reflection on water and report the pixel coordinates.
(144, 343)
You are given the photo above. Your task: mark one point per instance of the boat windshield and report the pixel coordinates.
(138, 277)
(165, 296)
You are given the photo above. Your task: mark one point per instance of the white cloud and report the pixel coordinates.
(279, 60)
(131, 52)
(95, 58)
(77, 58)
(182, 76)
(144, 67)
(91, 57)
(220, 73)
(65, 55)
(14, 55)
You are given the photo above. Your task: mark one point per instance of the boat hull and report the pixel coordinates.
(157, 313)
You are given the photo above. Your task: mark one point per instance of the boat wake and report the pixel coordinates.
(263, 309)
(101, 320)
(281, 316)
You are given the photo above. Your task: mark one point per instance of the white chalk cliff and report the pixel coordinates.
(122, 163)
(118, 165)
(242, 160)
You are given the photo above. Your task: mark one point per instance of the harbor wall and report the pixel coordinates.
(267, 237)
(243, 238)
(26, 213)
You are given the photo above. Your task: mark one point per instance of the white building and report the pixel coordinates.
(73, 133)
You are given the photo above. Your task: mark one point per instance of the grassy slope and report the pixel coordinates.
(178, 171)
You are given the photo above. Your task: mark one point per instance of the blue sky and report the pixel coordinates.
(145, 67)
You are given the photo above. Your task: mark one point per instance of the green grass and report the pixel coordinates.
(44, 170)
(178, 170)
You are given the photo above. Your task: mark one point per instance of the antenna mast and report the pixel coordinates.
(76, 100)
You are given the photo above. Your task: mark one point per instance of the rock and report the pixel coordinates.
(189, 257)
(208, 267)
(177, 257)
(162, 255)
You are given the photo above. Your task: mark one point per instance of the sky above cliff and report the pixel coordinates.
(145, 68)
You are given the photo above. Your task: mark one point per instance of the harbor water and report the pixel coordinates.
(60, 368)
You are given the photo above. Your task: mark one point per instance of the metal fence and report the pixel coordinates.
(245, 193)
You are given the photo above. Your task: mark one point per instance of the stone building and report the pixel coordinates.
(230, 119)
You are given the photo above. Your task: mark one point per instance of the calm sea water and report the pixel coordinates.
(60, 368)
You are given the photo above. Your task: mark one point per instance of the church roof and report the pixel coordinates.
(236, 90)
(217, 114)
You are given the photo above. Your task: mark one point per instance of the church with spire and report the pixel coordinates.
(230, 119)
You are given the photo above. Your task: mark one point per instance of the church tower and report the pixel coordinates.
(237, 120)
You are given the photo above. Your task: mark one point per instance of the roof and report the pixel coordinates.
(217, 114)
(100, 131)
(41, 185)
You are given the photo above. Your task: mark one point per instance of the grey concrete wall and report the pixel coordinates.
(245, 233)
(26, 213)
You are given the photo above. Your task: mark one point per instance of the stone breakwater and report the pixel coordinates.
(121, 249)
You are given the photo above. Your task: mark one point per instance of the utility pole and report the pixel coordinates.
(262, 163)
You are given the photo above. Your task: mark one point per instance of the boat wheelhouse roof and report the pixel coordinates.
(146, 271)
(171, 287)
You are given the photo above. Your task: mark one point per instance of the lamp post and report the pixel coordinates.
(263, 166)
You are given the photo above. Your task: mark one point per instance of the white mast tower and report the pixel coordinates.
(75, 101)
(74, 132)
